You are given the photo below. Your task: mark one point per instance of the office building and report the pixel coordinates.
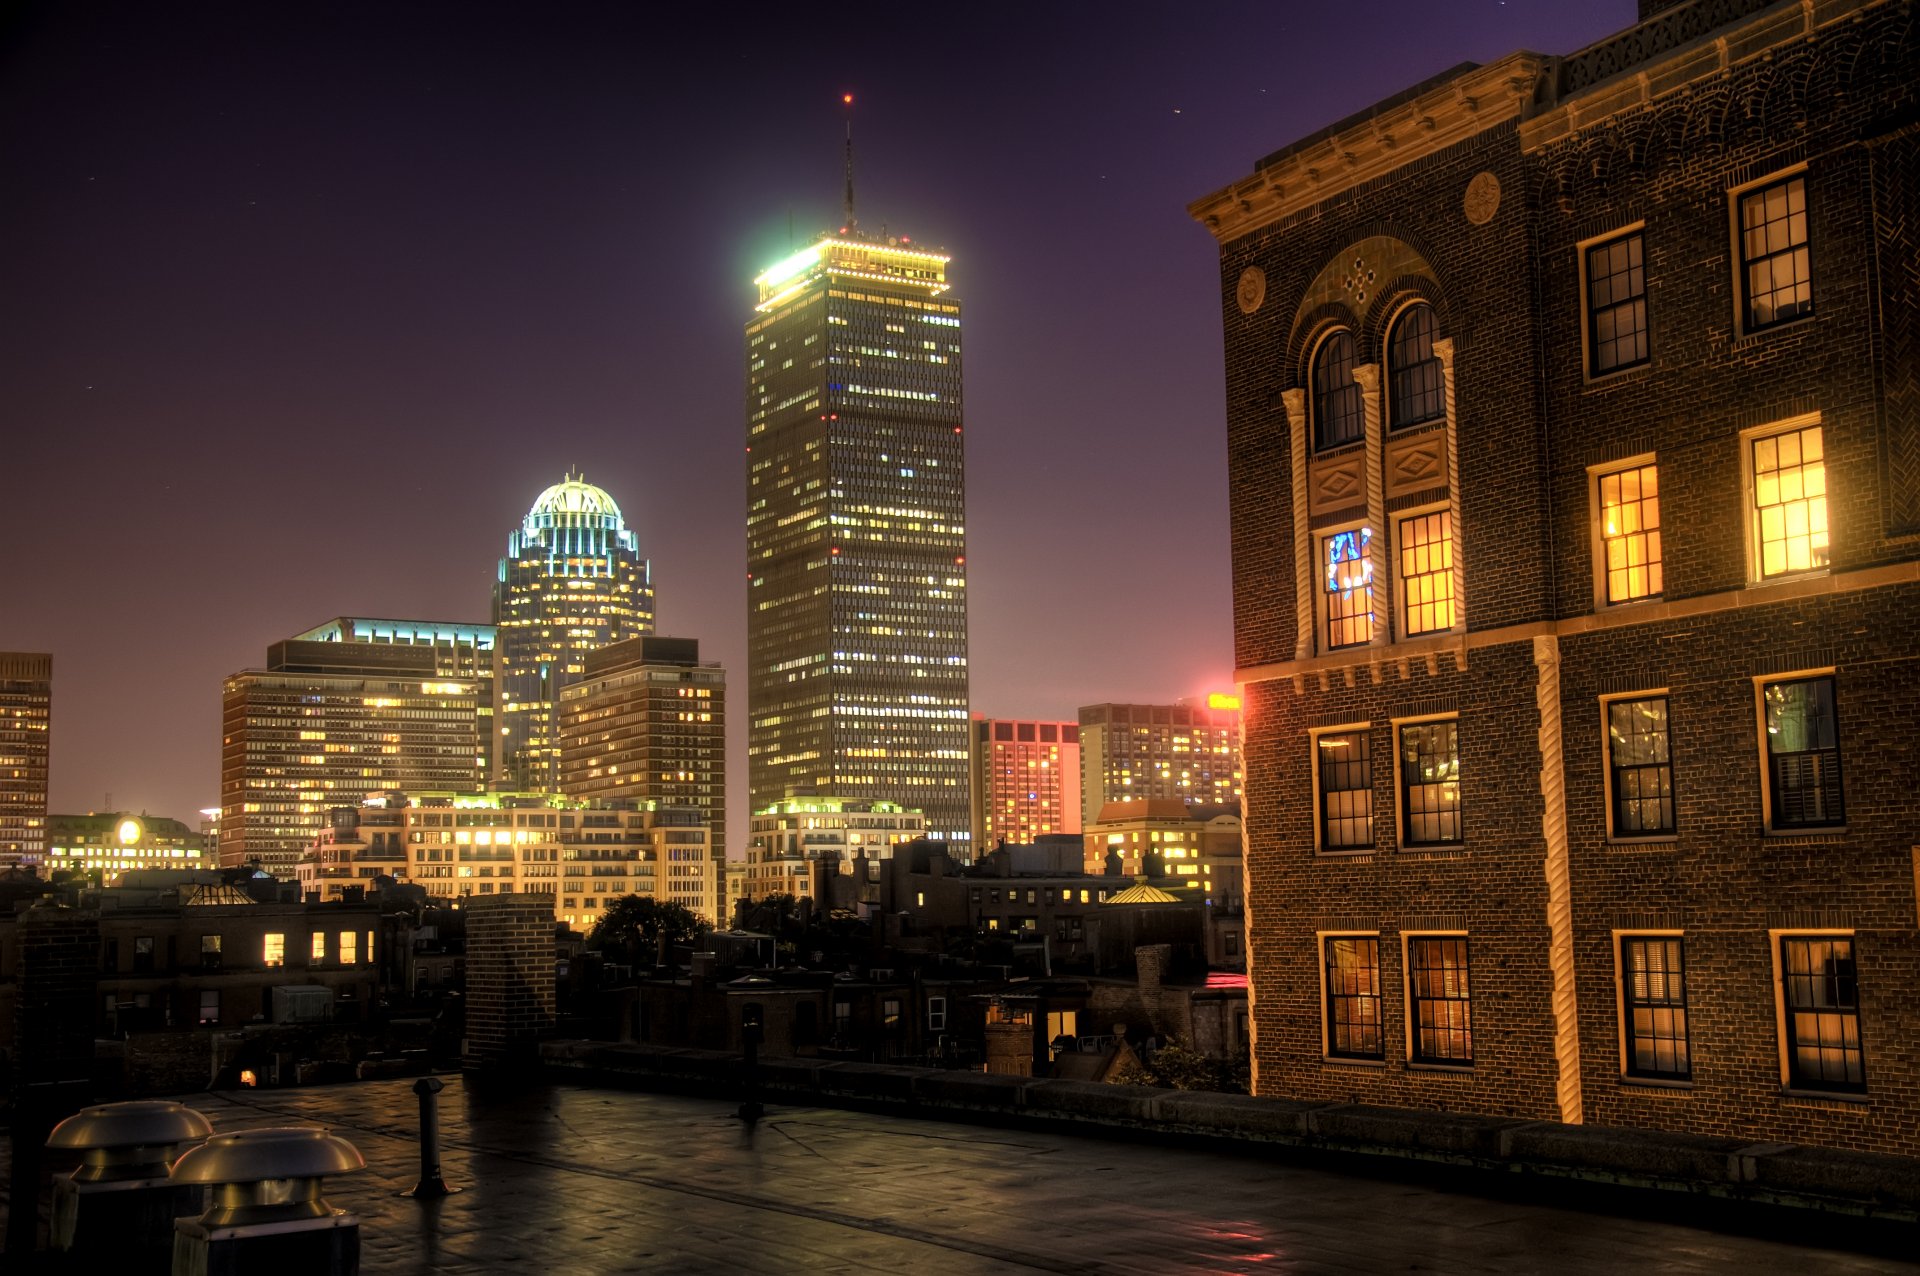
(1575, 468)
(460, 650)
(572, 581)
(856, 532)
(26, 724)
(1026, 780)
(110, 843)
(326, 723)
(785, 841)
(1188, 751)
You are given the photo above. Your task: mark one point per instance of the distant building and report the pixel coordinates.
(113, 842)
(572, 581)
(460, 650)
(1185, 751)
(736, 890)
(856, 531)
(1026, 779)
(326, 723)
(26, 721)
(648, 721)
(786, 839)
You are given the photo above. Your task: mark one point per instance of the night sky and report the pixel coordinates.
(303, 303)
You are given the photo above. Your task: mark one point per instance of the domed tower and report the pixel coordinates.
(573, 580)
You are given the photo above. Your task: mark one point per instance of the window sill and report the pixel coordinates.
(1343, 853)
(1603, 607)
(1654, 1083)
(1457, 1069)
(1791, 578)
(1747, 338)
(1334, 450)
(1818, 833)
(1333, 1061)
(1442, 850)
(1615, 376)
(1826, 1096)
(1656, 842)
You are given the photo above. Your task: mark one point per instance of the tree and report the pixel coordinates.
(636, 929)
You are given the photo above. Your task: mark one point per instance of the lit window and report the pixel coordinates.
(1426, 573)
(273, 951)
(319, 946)
(1418, 386)
(1430, 783)
(1440, 1004)
(1653, 989)
(1820, 987)
(349, 946)
(1630, 533)
(1353, 998)
(1776, 268)
(1790, 501)
(1346, 790)
(1640, 767)
(1616, 305)
(1348, 563)
(1803, 754)
(1337, 413)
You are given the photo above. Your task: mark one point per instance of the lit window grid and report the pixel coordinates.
(1640, 766)
(1430, 783)
(1653, 989)
(1338, 416)
(1426, 573)
(1775, 261)
(1819, 985)
(1790, 501)
(1352, 965)
(1347, 559)
(1630, 533)
(1346, 789)
(1439, 1000)
(1801, 728)
(1417, 383)
(1616, 305)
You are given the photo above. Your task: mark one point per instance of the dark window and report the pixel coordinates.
(1430, 783)
(1776, 266)
(1642, 767)
(1653, 979)
(1337, 414)
(210, 952)
(210, 1005)
(143, 953)
(1349, 587)
(1822, 991)
(1616, 305)
(1442, 1019)
(1346, 790)
(1353, 998)
(1803, 754)
(1418, 388)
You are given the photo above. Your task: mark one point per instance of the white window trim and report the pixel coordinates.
(1587, 375)
(1597, 531)
(1321, 597)
(1780, 1035)
(1400, 794)
(1319, 814)
(1749, 494)
(1616, 935)
(1398, 617)
(1407, 1016)
(1760, 682)
(1320, 938)
(1614, 837)
(1735, 246)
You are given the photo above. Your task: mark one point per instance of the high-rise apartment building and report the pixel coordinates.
(856, 532)
(460, 650)
(572, 581)
(26, 723)
(1026, 780)
(326, 723)
(1188, 750)
(648, 722)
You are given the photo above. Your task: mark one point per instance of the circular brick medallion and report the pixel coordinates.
(1252, 290)
(1483, 198)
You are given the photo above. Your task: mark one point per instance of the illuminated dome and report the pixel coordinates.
(573, 496)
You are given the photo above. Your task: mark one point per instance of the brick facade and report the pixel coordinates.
(511, 984)
(1481, 195)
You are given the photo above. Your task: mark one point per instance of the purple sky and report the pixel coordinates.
(302, 303)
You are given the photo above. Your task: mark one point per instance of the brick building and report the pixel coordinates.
(1574, 448)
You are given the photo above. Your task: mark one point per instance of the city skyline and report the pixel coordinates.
(208, 329)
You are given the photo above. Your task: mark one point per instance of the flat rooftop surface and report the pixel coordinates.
(600, 1181)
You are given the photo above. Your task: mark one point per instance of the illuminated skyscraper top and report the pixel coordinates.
(856, 532)
(573, 580)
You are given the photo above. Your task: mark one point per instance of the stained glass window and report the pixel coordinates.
(1337, 414)
(1348, 562)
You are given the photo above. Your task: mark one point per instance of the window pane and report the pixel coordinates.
(1790, 501)
(1417, 385)
(1630, 530)
(1616, 306)
(1430, 783)
(1642, 769)
(1777, 266)
(1346, 790)
(1426, 573)
(1803, 753)
(1348, 561)
(1441, 1005)
(1654, 985)
(1821, 988)
(1337, 413)
(1353, 998)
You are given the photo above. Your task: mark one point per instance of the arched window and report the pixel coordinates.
(1337, 415)
(1417, 392)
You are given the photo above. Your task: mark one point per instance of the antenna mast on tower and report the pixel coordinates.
(847, 100)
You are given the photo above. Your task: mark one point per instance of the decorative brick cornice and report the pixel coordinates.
(1478, 99)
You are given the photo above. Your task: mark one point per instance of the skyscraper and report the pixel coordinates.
(460, 650)
(856, 532)
(1189, 750)
(1026, 779)
(573, 580)
(26, 700)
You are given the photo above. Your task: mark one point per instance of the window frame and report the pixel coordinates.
(1790, 1082)
(1614, 835)
(1323, 597)
(1321, 940)
(1589, 338)
(1760, 684)
(1389, 400)
(1597, 531)
(1623, 1008)
(1316, 432)
(1750, 498)
(1415, 1060)
(1321, 846)
(1400, 811)
(1737, 254)
(1397, 520)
